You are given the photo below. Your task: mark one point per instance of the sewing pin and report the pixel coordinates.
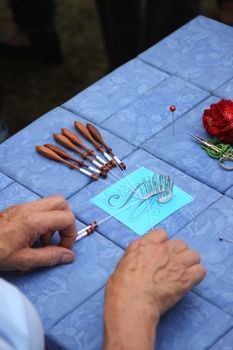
(86, 231)
(173, 109)
(157, 185)
(48, 153)
(221, 238)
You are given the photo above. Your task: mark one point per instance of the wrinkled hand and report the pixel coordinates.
(152, 276)
(21, 225)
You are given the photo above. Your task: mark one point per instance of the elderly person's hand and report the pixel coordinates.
(152, 276)
(21, 225)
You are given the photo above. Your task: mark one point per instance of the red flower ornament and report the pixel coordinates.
(218, 120)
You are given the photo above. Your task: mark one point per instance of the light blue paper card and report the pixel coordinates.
(123, 202)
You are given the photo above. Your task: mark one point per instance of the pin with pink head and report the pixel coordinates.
(173, 109)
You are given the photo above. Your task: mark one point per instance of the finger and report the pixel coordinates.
(157, 235)
(68, 237)
(177, 245)
(48, 204)
(29, 258)
(46, 238)
(190, 258)
(63, 221)
(195, 274)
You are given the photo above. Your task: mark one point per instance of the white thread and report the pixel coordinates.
(129, 180)
(83, 232)
(86, 172)
(117, 160)
(116, 213)
(101, 160)
(97, 164)
(94, 170)
(80, 236)
(107, 156)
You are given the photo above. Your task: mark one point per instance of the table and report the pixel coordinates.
(191, 68)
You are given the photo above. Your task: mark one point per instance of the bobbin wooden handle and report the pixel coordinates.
(64, 141)
(97, 136)
(48, 153)
(63, 154)
(58, 150)
(85, 132)
(75, 139)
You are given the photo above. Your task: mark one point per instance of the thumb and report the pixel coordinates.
(48, 256)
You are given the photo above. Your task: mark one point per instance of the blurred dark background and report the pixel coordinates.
(30, 87)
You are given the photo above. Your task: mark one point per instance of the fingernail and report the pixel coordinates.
(67, 258)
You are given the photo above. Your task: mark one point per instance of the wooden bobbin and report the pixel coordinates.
(92, 228)
(85, 132)
(76, 140)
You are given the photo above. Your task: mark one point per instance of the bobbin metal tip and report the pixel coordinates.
(103, 174)
(113, 163)
(95, 177)
(221, 238)
(122, 166)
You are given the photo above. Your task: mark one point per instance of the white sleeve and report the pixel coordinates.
(20, 326)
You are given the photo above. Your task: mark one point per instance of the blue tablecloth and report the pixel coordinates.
(191, 69)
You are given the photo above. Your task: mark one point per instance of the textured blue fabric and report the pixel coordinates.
(16, 194)
(224, 343)
(201, 52)
(19, 159)
(81, 329)
(87, 212)
(150, 113)
(225, 91)
(203, 234)
(185, 153)
(229, 192)
(56, 291)
(115, 91)
(4, 181)
(192, 324)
